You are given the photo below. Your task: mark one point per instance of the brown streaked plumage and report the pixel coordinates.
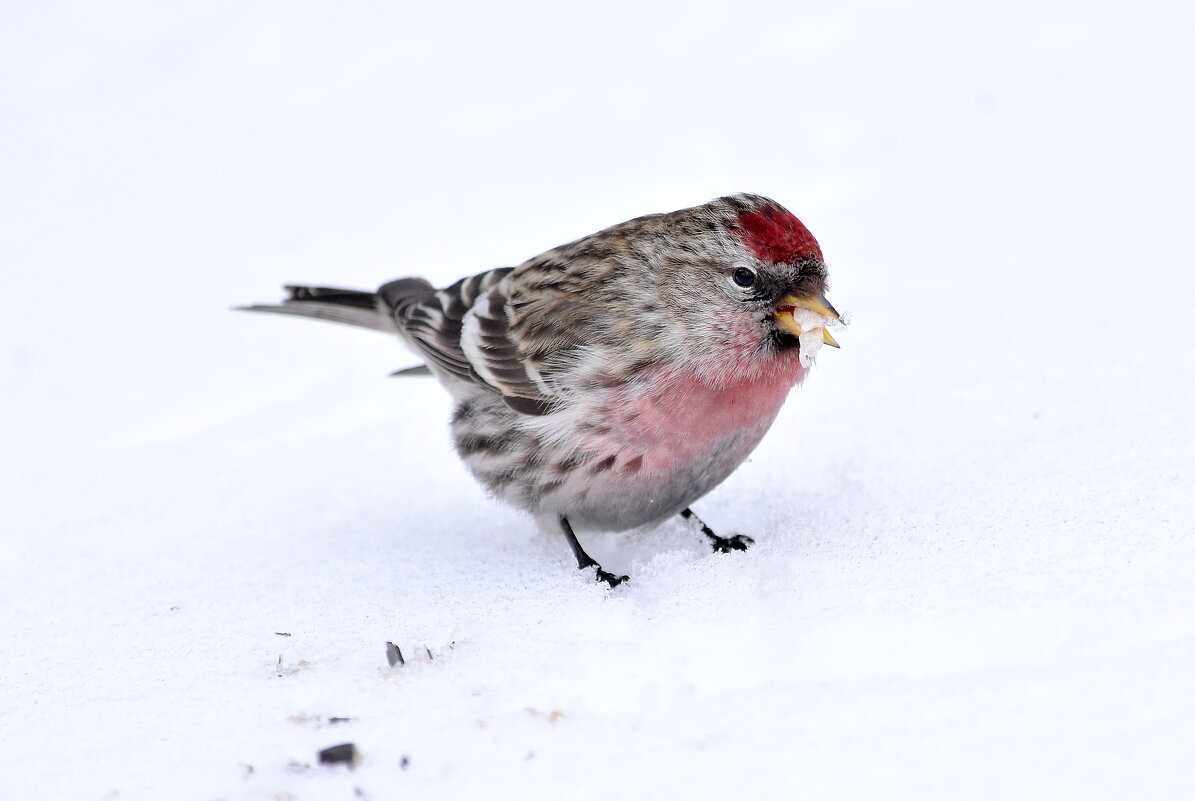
(610, 382)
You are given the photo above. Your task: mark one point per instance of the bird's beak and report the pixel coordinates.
(787, 322)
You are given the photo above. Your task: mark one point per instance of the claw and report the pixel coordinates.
(738, 542)
(610, 578)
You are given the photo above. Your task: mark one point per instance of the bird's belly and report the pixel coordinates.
(651, 454)
(621, 497)
(621, 458)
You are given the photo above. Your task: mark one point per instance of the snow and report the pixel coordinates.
(974, 573)
(813, 331)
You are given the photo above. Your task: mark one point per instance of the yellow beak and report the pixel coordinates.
(818, 305)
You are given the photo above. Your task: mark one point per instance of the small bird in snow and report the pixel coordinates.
(609, 383)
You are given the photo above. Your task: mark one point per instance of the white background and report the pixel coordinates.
(975, 569)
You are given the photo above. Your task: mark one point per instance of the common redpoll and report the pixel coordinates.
(608, 383)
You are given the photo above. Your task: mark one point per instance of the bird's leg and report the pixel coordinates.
(584, 560)
(737, 542)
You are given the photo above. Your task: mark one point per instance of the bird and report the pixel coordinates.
(608, 383)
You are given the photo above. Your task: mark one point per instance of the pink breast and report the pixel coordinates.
(680, 417)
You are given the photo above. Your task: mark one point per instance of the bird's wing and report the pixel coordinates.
(463, 330)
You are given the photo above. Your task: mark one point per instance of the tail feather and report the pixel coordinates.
(417, 370)
(348, 306)
(331, 294)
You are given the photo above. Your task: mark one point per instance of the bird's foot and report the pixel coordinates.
(585, 561)
(735, 542)
(608, 577)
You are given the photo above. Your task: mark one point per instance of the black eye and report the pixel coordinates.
(744, 276)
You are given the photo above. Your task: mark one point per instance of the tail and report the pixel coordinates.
(379, 311)
(348, 306)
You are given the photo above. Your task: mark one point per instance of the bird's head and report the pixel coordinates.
(756, 280)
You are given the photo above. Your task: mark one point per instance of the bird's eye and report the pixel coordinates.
(744, 276)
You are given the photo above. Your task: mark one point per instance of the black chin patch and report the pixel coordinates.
(782, 340)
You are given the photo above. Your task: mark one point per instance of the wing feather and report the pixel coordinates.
(464, 330)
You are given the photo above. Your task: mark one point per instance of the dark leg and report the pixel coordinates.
(584, 560)
(738, 542)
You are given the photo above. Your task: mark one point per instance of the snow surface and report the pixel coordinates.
(974, 574)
